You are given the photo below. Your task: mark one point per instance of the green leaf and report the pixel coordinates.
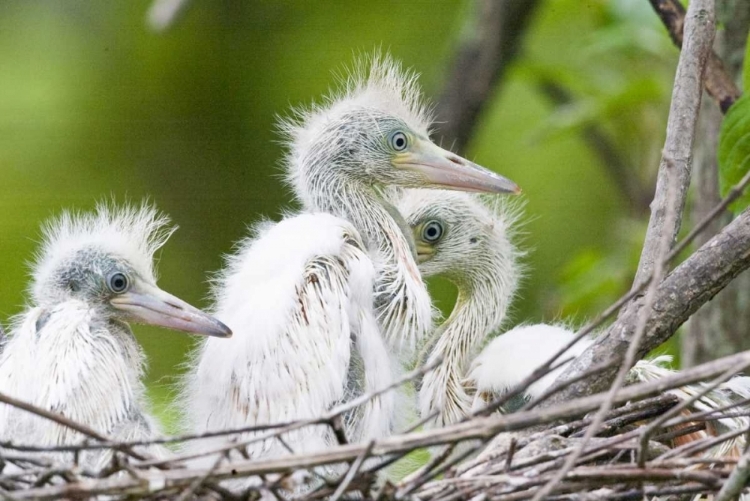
(734, 151)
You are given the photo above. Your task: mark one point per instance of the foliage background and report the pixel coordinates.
(93, 105)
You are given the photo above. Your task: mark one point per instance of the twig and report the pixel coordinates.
(185, 495)
(324, 419)
(679, 296)
(737, 480)
(480, 63)
(356, 465)
(648, 430)
(630, 355)
(68, 423)
(675, 167)
(718, 83)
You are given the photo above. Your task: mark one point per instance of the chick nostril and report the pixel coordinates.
(176, 306)
(456, 160)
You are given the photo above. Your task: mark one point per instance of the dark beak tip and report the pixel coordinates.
(224, 331)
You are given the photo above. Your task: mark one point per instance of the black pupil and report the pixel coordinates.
(432, 232)
(118, 282)
(400, 142)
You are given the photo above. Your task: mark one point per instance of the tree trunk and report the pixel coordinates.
(720, 327)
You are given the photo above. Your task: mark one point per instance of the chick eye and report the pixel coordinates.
(432, 231)
(118, 282)
(399, 141)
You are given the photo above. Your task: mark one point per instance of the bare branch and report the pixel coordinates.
(676, 163)
(718, 83)
(479, 65)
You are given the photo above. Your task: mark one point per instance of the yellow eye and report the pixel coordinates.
(432, 231)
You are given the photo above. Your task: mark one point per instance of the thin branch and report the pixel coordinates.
(657, 423)
(676, 163)
(480, 63)
(717, 82)
(68, 423)
(737, 480)
(356, 465)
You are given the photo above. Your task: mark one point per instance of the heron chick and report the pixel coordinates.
(303, 294)
(371, 137)
(470, 242)
(72, 351)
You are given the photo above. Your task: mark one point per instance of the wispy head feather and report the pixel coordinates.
(132, 233)
(375, 83)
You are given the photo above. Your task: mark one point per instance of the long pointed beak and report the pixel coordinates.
(443, 169)
(150, 305)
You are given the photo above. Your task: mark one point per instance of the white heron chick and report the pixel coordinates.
(450, 229)
(72, 351)
(299, 294)
(344, 153)
(469, 242)
(300, 297)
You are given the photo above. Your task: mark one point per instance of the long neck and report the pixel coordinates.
(481, 307)
(403, 304)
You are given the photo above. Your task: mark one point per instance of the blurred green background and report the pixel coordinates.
(94, 104)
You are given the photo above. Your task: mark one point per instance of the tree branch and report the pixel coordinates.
(684, 290)
(479, 65)
(676, 163)
(717, 82)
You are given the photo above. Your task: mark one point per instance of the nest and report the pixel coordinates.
(653, 442)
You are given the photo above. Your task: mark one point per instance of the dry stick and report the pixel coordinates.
(648, 430)
(356, 465)
(324, 419)
(566, 429)
(68, 423)
(674, 170)
(709, 414)
(185, 495)
(559, 386)
(491, 44)
(675, 304)
(538, 374)
(717, 82)
(480, 428)
(657, 274)
(695, 447)
(737, 480)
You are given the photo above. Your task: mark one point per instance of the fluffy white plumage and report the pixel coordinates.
(71, 355)
(376, 94)
(299, 298)
(513, 356)
(474, 250)
(132, 233)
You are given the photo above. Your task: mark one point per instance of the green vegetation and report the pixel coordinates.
(93, 106)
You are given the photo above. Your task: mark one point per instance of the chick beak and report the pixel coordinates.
(443, 169)
(145, 303)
